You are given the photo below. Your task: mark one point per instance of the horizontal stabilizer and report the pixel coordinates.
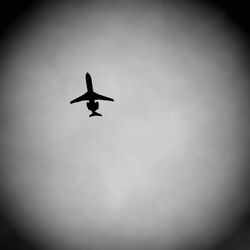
(95, 114)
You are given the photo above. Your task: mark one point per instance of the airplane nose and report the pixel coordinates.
(88, 77)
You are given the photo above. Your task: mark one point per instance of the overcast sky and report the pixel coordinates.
(165, 165)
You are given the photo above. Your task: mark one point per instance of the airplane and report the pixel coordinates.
(91, 96)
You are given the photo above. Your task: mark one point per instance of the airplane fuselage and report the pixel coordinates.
(89, 83)
(91, 104)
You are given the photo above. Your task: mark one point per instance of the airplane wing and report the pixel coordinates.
(84, 97)
(102, 97)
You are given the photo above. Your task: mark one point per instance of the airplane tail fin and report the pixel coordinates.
(94, 114)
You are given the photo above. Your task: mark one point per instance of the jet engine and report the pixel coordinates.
(96, 105)
(93, 106)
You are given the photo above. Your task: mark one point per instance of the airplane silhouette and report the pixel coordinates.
(91, 96)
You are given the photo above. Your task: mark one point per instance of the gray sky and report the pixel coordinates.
(167, 160)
